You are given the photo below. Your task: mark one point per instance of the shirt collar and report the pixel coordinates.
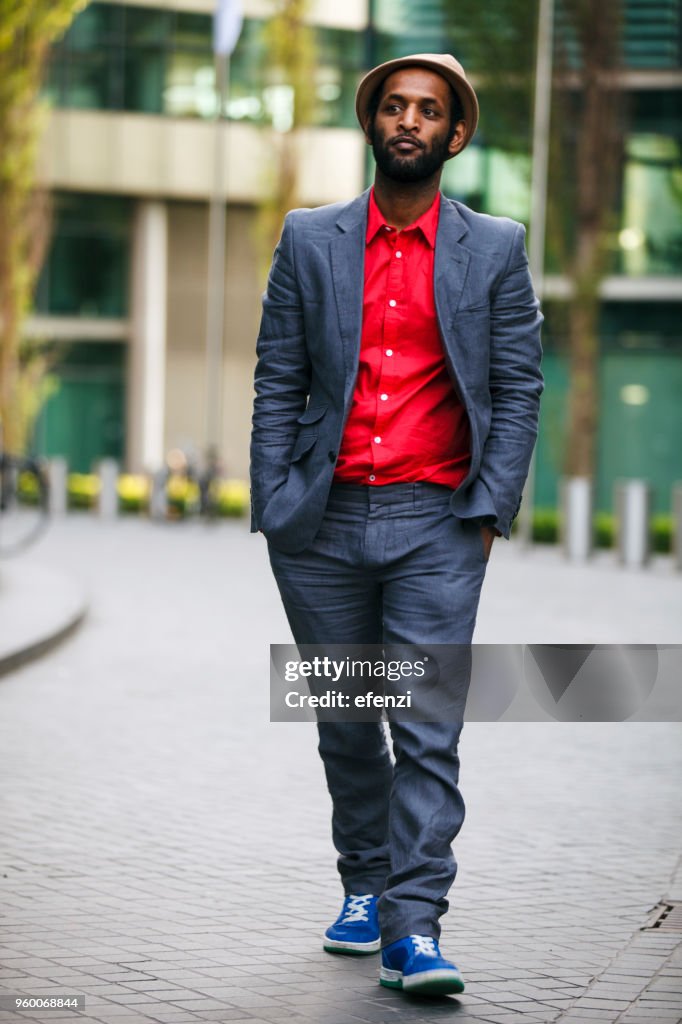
(427, 223)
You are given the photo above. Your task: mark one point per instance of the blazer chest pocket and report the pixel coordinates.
(480, 312)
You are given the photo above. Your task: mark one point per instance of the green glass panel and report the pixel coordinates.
(158, 61)
(650, 35)
(193, 31)
(640, 415)
(188, 88)
(491, 181)
(95, 26)
(650, 239)
(148, 27)
(549, 452)
(641, 423)
(86, 270)
(84, 420)
(145, 75)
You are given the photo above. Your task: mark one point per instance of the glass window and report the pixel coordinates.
(490, 180)
(86, 66)
(187, 88)
(651, 35)
(340, 60)
(247, 64)
(158, 61)
(84, 417)
(640, 417)
(650, 233)
(86, 270)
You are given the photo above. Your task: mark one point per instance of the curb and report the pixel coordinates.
(39, 608)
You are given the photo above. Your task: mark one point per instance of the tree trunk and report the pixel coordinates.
(596, 134)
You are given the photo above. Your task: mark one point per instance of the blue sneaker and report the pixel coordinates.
(415, 964)
(356, 929)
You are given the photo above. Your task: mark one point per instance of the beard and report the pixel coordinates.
(410, 167)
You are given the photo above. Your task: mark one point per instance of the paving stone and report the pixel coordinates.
(175, 863)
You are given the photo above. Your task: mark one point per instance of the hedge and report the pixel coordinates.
(231, 499)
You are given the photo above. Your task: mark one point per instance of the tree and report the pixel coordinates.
(586, 149)
(27, 29)
(586, 167)
(291, 56)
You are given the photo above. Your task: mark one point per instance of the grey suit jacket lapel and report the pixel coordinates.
(451, 265)
(347, 255)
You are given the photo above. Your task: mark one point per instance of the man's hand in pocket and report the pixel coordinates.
(489, 533)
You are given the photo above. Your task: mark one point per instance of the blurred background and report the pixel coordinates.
(139, 247)
(146, 164)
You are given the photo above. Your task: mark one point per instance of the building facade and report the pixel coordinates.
(130, 155)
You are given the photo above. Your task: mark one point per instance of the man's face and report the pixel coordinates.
(410, 136)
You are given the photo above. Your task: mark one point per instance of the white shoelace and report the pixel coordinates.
(356, 909)
(424, 944)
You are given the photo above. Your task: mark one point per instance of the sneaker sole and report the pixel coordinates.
(352, 948)
(433, 983)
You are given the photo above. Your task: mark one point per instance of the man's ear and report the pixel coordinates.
(369, 131)
(457, 140)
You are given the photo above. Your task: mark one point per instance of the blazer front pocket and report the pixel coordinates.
(312, 414)
(304, 442)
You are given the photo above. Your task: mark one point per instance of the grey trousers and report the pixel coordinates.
(390, 565)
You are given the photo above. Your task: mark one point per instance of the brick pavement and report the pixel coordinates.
(165, 850)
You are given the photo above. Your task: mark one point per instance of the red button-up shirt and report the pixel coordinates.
(406, 422)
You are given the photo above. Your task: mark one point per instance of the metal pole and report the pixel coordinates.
(538, 203)
(677, 524)
(577, 502)
(633, 510)
(215, 308)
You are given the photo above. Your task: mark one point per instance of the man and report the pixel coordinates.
(396, 409)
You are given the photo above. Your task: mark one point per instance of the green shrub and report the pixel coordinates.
(662, 527)
(545, 525)
(546, 529)
(133, 492)
(28, 490)
(233, 498)
(604, 524)
(82, 490)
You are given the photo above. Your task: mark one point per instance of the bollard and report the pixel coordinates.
(677, 524)
(107, 506)
(57, 472)
(633, 514)
(158, 502)
(576, 517)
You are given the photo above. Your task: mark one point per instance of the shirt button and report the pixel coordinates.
(389, 351)
(377, 440)
(392, 302)
(384, 398)
(372, 477)
(398, 255)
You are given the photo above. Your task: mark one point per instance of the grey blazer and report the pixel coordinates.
(308, 351)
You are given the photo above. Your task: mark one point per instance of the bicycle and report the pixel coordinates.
(24, 502)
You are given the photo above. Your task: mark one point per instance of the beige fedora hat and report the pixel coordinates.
(443, 64)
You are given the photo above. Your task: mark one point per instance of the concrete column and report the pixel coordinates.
(147, 362)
